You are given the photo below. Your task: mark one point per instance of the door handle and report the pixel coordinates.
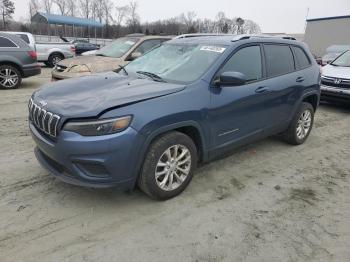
(300, 79)
(261, 89)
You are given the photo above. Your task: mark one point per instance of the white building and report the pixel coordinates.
(323, 32)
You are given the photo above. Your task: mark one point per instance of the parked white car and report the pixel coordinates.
(49, 53)
(335, 82)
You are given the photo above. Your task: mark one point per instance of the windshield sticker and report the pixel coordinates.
(216, 49)
(129, 42)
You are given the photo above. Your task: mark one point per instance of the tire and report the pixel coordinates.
(300, 127)
(54, 59)
(176, 180)
(47, 63)
(10, 77)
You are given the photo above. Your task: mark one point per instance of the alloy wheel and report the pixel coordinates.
(173, 167)
(8, 78)
(304, 124)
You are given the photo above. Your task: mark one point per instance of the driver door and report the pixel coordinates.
(237, 112)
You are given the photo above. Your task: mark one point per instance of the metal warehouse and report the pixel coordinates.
(324, 32)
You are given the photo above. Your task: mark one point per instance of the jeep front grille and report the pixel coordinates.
(43, 120)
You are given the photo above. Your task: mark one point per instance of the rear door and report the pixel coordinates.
(282, 85)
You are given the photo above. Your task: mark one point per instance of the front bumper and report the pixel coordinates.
(103, 161)
(31, 70)
(335, 94)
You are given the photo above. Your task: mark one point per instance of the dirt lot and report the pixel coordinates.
(267, 202)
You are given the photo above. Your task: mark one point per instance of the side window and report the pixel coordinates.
(4, 42)
(246, 61)
(301, 58)
(24, 38)
(279, 60)
(147, 46)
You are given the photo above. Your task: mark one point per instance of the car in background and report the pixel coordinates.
(17, 60)
(83, 45)
(190, 100)
(335, 80)
(118, 53)
(333, 52)
(49, 53)
(92, 52)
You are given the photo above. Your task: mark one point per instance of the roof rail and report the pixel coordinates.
(244, 37)
(200, 35)
(235, 37)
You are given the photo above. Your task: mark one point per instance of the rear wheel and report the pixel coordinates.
(168, 167)
(301, 125)
(10, 77)
(54, 59)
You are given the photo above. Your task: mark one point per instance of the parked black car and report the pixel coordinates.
(82, 45)
(17, 60)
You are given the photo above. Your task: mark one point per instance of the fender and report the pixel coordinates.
(161, 130)
(10, 59)
(305, 95)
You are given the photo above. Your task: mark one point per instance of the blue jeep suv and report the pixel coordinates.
(188, 101)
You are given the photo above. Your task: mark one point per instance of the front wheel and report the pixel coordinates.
(301, 125)
(168, 167)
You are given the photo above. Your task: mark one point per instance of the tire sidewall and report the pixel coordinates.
(155, 152)
(18, 74)
(50, 61)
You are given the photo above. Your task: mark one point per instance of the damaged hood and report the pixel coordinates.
(88, 96)
(95, 63)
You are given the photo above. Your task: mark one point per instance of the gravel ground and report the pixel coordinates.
(268, 201)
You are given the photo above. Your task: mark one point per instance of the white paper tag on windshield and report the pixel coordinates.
(129, 42)
(216, 49)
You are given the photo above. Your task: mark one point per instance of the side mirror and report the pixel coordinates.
(231, 79)
(135, 55)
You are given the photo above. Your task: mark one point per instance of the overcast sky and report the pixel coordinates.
(273, 16)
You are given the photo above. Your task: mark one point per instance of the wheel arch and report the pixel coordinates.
(190, 128)
(14, 64)
(313, 99)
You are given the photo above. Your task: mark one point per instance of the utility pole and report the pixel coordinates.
(307, 16)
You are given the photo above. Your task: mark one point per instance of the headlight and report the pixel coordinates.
(98, 127)
(79, 69)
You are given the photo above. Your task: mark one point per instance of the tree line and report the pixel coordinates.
(121, 20)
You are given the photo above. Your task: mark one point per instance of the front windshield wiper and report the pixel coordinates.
(123, 68)
(154, 77)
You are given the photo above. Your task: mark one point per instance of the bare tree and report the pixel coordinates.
(119, 17)
(108, 6)
(189, 20)
(47, 5)
(62, 6)
(34, 7)
(86, 7)
(98, 10)
(72, 7)
(7, 8)
(133, 20)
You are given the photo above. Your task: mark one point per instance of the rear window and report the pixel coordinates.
(25, 38)
(302, 61)
(4, 42)
(279, 60)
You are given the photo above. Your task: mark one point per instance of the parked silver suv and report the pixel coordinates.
(17, 60)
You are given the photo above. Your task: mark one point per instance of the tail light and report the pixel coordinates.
(72, 48)
(32, 54)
